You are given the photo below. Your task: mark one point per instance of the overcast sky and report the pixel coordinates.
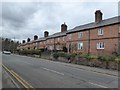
(26, 19)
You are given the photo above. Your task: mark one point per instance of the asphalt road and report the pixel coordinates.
(42, 73)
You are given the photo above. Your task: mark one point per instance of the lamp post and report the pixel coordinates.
(54, 45)
(14, 46)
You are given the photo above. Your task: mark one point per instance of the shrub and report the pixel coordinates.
(61, 54)
(117, 60)
(73, 55)
(30, 52)
(67, 56)
(88, 56)
(115, 53)
(105, 58)
(56, 55)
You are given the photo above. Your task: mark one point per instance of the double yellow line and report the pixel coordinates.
(24, 83)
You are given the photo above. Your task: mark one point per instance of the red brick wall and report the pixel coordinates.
(110, 44)
(109, 31)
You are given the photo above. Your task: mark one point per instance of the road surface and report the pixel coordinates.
(42, 73)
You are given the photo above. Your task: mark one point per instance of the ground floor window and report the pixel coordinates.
(80, 45)
(100, 45)
(51, 47)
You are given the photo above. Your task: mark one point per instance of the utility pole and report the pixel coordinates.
(89, 43)
(68, 47)
(14, 45)
(54, 45)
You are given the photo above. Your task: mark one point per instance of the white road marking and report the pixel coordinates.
(98, 85)
(53, 71)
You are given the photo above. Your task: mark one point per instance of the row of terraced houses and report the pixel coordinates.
(99, 37)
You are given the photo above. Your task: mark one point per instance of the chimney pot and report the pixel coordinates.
(28, 40)
(35, 37)
(46, 34)
(23, 41)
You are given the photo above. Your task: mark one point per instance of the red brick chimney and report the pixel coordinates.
(46, 34)
(35, 37)
(63, 27)
(28, 40)
(98, 16)
(23, 41)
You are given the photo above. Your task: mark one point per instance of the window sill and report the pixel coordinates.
(100, 34)
(80, 49)
(100, 48)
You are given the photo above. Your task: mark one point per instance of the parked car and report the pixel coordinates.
(7, 52)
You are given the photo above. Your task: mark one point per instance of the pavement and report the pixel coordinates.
(7, 80)
(42, 73)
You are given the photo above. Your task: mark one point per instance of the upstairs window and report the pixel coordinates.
(100, 32)
(100, 45)
(44, 42)
(80, 45)
(80, 34)
(63, 38)
(58, 39)
(69, 36)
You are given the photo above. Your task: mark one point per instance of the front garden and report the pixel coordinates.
(102, 61)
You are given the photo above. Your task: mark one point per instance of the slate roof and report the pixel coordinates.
(94, 24)
(41, 39)
(57, 35)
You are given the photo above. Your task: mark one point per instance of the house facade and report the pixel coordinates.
(99, 37)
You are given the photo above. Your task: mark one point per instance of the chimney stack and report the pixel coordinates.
(35, 37)
(98, 16)
(46, 34)
(23, 41)
(63, 27)
(28, 40)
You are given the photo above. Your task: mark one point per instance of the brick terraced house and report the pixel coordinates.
(99, 37)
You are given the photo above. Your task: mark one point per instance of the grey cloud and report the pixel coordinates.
(16, 14)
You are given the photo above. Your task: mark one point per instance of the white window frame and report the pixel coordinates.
(44, 42)
(36, 43)
(80, 45)
(80, 34)
(100, 45)
(63, 38)
(100, 31)
(58, 39)
(39, 42)
(69, 36)
(51, 47)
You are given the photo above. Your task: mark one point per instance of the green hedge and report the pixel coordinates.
(62, 54)
(117, 60)
(88, 56)
(30, 52)
(106, 58)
